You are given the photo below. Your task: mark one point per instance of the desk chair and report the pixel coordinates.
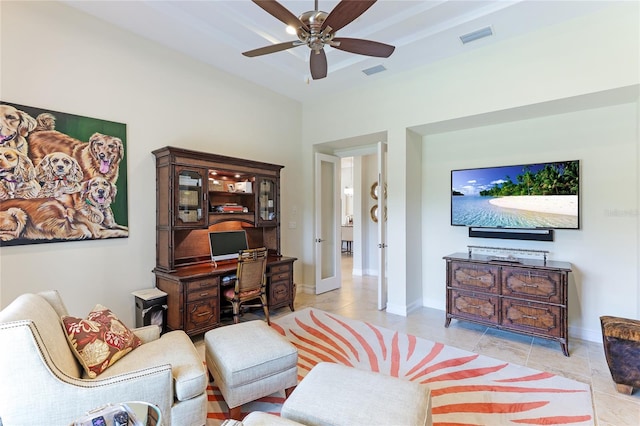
(250, 282)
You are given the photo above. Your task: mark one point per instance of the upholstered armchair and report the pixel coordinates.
(42, 382)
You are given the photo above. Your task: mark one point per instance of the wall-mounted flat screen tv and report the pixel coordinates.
(526, 196)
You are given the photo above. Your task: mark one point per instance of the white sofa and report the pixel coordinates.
(41, 381)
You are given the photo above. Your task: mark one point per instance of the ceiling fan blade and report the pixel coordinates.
(280, 12)
(318, 63)
(363, 47)
(273, 48)
(346, 12)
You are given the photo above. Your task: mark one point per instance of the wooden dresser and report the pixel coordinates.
(527, 296)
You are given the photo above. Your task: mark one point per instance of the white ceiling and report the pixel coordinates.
(217, 32)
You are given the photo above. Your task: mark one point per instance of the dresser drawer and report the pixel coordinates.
(541, 285)
(203, 314)
(474, 306)
(277, 269)
(521, 315)
(279, 292)
(473, 276)
(202, 289)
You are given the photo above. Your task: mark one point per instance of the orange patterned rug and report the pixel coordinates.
(466, 388)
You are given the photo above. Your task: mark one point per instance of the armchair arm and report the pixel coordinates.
(30, 377)
(147, 333)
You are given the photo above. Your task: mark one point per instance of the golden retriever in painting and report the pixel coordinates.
(48, 219)
(94, 202)
(12, 223)
(15, 125)
(100, 156)
(17, 175)
(60, 174)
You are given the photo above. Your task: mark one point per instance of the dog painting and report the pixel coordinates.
(63, 177)
(17, 175)
(15, 125)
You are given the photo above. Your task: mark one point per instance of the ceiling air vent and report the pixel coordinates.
(374, 70)
(475, 35)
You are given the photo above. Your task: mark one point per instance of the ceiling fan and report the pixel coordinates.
(317, 29)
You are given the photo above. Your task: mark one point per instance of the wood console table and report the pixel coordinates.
(527, 296)
(193, 292)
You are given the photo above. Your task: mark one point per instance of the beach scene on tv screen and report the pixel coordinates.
(523, 196)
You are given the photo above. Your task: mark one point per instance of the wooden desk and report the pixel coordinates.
(193, 292)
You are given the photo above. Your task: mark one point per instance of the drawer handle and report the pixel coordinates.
(474, 306)
(530, 285)
(204, 284)
(530, 317)
(482, 279)
(537, 275)
(203, 314)
(204, 294)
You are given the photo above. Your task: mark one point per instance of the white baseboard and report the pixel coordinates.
(305, 288)
(397, 309)
(583, 334)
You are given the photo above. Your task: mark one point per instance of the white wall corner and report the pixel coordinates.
(414, 306)
(395, 309)
(584, 334)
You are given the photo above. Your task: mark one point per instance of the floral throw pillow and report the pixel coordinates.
(100, 340)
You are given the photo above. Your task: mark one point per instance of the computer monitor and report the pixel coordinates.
(225, 245)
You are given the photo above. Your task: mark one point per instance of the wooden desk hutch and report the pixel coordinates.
(197, 193)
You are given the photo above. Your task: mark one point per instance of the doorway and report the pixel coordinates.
(365, 249)
(360, 260)
(347, 216)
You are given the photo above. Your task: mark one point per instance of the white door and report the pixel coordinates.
(327, 226)
(382, 225)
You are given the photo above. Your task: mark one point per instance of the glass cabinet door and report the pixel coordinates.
(191, 209)
(267, 201)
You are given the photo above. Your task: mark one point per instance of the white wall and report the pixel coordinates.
(603, 252)
(573, 77)
(57, 58)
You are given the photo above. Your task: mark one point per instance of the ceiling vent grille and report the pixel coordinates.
(475, 35)
(374, 70)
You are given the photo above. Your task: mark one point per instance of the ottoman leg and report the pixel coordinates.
(625, 389)
(288, 391)
(235, 412)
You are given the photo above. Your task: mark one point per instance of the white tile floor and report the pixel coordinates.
(357, 299)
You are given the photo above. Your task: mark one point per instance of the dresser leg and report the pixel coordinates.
(565, 348)
(447, 322)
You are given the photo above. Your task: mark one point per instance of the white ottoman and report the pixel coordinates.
(333, 394)
(249, 361)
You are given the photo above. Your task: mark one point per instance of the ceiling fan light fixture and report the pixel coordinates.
(317, 29)
(291, 30)
(476, 35)
(374, 70)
